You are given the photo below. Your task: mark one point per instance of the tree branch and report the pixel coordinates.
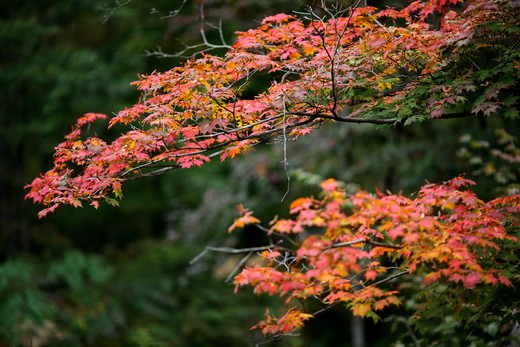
(389, 278)
(237, 250)
(375, 244)
(258, 136)
(389, 121)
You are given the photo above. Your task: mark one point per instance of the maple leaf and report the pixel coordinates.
(89, 118)
(278, 18)
(329, 185)
(189, 132)
(411, 238)
(370, 274)
(361, 310)
(504, 280)
(246, 219)
(192, 160)
(300, 205)
(431, 277)
(271, 255)
(285, 226)
(233, 150)
(471, 280)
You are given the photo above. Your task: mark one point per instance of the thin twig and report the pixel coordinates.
(368, 242)
(238, 266)
(205, 46)
(412, 334)
(236, 250)
(399, 274)
(112, 10)
(285, 162)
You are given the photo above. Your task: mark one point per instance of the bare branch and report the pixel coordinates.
(111, 10)
(190, 51)
(389, 278)
(237, 250)
(171, 13)
(284, 161)
(346, 119)
(238, 266)
(375, 244)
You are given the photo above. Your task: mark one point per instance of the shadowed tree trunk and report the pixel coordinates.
(357, 330)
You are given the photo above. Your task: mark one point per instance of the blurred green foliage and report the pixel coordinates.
(147, 296)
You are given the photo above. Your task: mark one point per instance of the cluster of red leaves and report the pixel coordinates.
(355, 246)
(193, 113)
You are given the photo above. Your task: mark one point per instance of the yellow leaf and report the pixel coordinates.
(361, 310)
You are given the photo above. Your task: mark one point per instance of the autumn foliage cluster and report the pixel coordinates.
(358, 243)
(350, 68)
(431, 59)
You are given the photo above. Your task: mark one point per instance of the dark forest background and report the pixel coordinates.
(121, 276)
